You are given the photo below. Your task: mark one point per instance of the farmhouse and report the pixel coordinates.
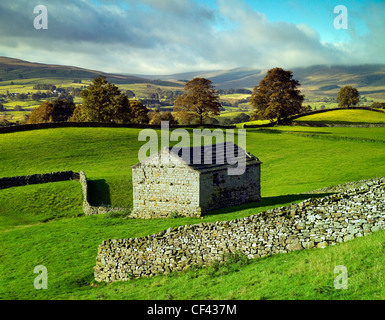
(191, 181)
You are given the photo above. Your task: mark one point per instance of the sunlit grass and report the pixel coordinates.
(44, 224)
(345, 116)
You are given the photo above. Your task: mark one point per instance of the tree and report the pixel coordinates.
(276, 97)
(200, 98)
(42, 113)
(138, 113)
(62, 110)
(186, 118)
(242, 117)
(103, 102)
(130, 94)
(305, 109)
(374, 105)
(348, 96)
(157, 117)
(56, 111)
(78, 115)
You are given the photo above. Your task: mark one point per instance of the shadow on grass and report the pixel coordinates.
(99, 193)
(270, 202)
(272, 131)
(303, 132)
(308, 132)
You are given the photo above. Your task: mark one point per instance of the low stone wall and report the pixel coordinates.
(38, 126)
(347, 125)
(9, 182)
(343, 187)
(87, 208)
(311, 223)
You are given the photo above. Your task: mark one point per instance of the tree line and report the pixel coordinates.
(275, 98)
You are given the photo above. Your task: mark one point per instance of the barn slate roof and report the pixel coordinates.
(222, 156)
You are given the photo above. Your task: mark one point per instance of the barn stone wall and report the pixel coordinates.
(159, 191)
(310, 224)
(218, 189)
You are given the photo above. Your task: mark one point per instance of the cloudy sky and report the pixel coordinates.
(171, 36)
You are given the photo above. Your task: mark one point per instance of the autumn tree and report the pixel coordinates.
(157, 117)
(78, 115)
(277, 96)
(186, 118)
(348, 96)
(59, 110)
(200, 98)
(138, 113)
(42, 113)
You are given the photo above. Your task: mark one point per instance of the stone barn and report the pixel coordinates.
(192, 181)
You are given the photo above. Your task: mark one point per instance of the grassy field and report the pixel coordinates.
(232, 114)
(235, 96)
(26, 86)
(352, 116)
(345, 116)
(44, 224)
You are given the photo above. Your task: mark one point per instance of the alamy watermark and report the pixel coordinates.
(41, 281)
(235, 158)
(41, 20)
(341, 21)
(341, 281)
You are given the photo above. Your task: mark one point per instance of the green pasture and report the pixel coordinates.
(25, 104)
(234, 96)
(44, 224)
(13, 116)
(232, 114)
(26, 85)
(345, 116)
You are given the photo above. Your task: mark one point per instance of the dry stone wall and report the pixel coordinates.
(17, 181)
(312, 223)
(88, 209)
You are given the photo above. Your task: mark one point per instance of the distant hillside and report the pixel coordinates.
(222, 79)
(15, 69)
(320, 80)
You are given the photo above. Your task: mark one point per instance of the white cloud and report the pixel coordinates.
(170, 36)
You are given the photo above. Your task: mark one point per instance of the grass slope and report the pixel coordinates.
(43, 224)
(345, 116)
(13, 69)
(68, 249)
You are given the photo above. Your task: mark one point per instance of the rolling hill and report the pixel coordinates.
(347, 116)
(316, 81)
(321, 80)
(15, 69)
